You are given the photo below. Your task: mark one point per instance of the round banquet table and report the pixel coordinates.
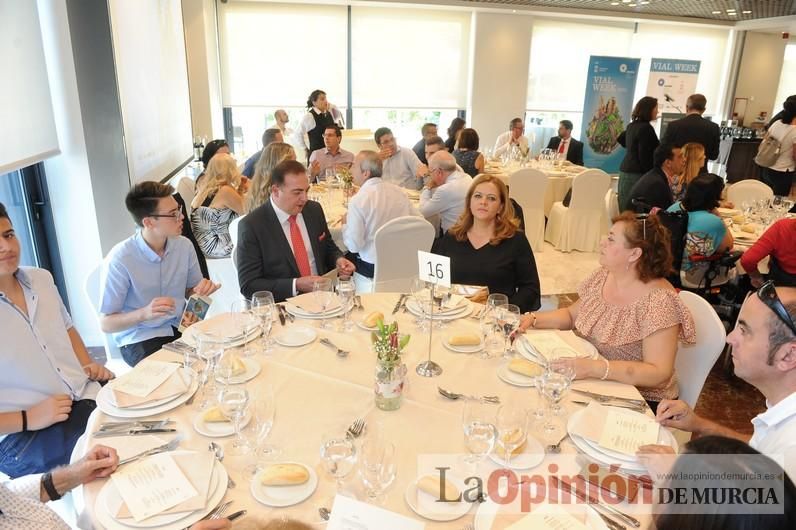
(559, 180)
(317, 392)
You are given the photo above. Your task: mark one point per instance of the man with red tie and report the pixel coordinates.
(565, 144)
(284, 246)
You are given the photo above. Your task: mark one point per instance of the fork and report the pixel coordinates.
(218, 511)
(493, 400)
(356, 428)
(171, 446)
(340, 352)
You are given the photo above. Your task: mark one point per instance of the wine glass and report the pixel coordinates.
(480, 434)
(346, 289)
(234, 402)
(264, 406)
(555, 383)
(339, 455)
(264, 308)
(421, 294)
(512, 429)
(329, 176)
(378, 468)
(323, 293)
(493, 337)
(245, 323)
(442, 295)
(509, 320)
(209, 348)
(496, 300)
(225, 367)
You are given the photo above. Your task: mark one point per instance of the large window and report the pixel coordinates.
(787, 80)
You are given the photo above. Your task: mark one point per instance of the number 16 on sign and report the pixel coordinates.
(434, 268)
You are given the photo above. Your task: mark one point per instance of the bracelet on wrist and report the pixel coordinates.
(49, 487)
(607, 369)
(24, 420)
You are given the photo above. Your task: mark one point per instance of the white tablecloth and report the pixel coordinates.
(318, 392)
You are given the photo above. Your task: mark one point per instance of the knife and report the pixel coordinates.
(604, 509)
(601, 397)
(172, 445)
(281, 314)
(288, 314)
(131, 432)
(398, 304)
(121, 425)
(236, 515)
(619, 405)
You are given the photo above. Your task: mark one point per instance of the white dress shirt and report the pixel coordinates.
(374, 204)
(503, 143)
(22, 509)
(38, 358)
(307, 124)
(284, 221)
(775, 433)
(446, 200)
(401, 169)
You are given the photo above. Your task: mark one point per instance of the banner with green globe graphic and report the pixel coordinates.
(610, 85)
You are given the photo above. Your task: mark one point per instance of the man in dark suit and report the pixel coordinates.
(695, 128)
(654, 188)
(566, 144)
(285, 245)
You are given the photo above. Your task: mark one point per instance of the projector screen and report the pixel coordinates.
(152, 77)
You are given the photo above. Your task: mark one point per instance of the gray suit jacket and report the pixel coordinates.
(265, 260)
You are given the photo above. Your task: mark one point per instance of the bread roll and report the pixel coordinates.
(238, 367)
(525, 367)
(430, 484)
(372, 319)
(501, 451)
(739, 219)
(214, 415)
(750, 228)
(284, 475)
(467, 339)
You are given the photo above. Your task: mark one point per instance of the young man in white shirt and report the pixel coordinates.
(446, 190)
(376, 203)
(515, 136)
(48, 380)
(399, 166)
(764, 353)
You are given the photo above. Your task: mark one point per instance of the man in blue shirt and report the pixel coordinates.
(47, 377)
(147, 277)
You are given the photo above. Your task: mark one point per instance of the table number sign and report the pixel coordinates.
(434, 268)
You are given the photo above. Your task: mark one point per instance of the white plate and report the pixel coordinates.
(531, 456)
(460, 313)
(513, 378)
(463, 304)
(487, 511)
(217, 429)
(177, 521)
(462, 349)
(602, 455)
(426, 506)
(362, 325)
(252, 370)
(222, 325)
(105, 404)
(300, 313)
(584, 348)
(296, 336)
(281, 496)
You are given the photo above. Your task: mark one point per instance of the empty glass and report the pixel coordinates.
(245, 324)
(479, 432)
(346, 290)
(323, 293)
(555, 383)
(509, 319)
(264, 410)
(512, 429)
(493, 336)
(421, 294)
(339, 455)
(209, 348)
(377, 467)
(233, 402)
(264, 308)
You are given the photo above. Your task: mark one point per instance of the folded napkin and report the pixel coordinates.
(224, 326)
(453, 303)
(550, 345)
(198, 469)
(172, 387)
(308, 302)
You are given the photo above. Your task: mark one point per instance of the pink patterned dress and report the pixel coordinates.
(618, 331)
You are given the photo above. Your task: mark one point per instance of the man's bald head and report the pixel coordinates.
(442, 160)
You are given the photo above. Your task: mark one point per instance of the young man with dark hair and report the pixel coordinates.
(564, 144)
(47, 377)
(269, 136)
(654, 188)
(147, 277)
(400, 165)
(427, 131)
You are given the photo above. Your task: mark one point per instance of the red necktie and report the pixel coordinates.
(561, 146)
(299, 251)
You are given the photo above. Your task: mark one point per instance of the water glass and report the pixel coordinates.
(509, 320)
(339, 455)
(245, 323)
(555, 383)
(233, 402)
(226, 366)
(323, 293)
(346, 290)
(421, 294)
(264, 308)
(480, 434)
(493, 336)
(329, 175)
(378, 468)
(512, 429)
(496, 299)
(209, 348)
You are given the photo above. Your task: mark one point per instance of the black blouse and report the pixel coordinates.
(639, 141)
(508, 267)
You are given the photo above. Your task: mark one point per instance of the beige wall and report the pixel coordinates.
(499, 89)
(758, 76)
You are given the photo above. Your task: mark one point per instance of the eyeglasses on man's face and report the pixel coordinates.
(175, 214)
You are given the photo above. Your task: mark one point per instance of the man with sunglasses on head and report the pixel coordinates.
(764, 353)
(147, 277)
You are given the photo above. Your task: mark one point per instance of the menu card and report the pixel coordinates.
(152, 485)
(546, 342)
(177, 384)
(351, 514)
(145, 378)
(627, 432)
(548, 517)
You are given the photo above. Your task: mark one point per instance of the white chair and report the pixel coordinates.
(748, 190)
(397, 243)
(580, 226)
(223, 271)
(694, 361)
(528, 187)
(611, 206)
(186, 187)
(233, 235)
(92, 289)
